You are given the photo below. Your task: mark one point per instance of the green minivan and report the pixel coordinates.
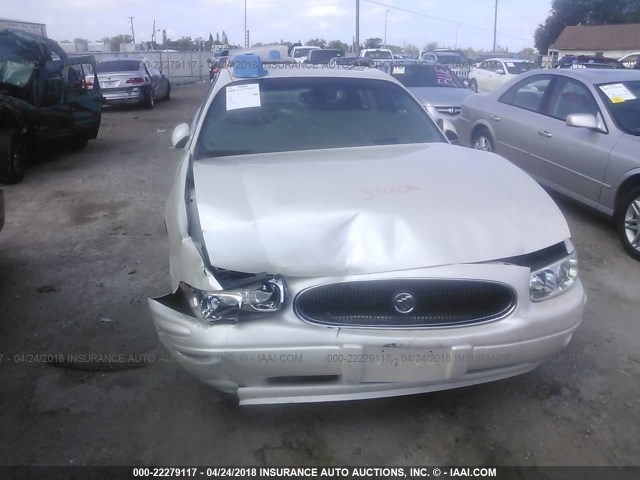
(44, 97)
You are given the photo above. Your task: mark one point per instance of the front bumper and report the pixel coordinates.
(116, 96)
(280, 358)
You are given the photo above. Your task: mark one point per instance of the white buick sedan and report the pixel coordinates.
(328, 243)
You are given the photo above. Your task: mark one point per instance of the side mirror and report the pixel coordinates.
(180, 136)
(582, 120)
(500, 71)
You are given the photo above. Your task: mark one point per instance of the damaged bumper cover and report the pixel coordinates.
(279, 358)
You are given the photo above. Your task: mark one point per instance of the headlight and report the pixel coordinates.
(227, 305)
(553, 279)
(430, 110)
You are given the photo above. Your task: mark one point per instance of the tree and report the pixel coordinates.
(338, 45)
(82, 41)
(373, 43)
(412, 50)
(316, 42)
(118, 40)
(527, 54)
(225, 40)
(431, 46)
(583, 12)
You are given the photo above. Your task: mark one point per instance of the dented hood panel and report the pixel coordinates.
(369, 209)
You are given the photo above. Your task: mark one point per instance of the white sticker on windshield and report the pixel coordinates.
(243, 96)
(510, 64)
(398, 70)
(617, 93)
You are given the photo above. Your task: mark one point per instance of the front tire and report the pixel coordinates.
(150, 99)
(482, 141)
(14, 155)
(473, 85)
(628, 222)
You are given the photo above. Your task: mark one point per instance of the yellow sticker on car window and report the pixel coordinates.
(617, 92)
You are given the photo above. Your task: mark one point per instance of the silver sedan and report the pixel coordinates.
(575, 131)
(124, 80)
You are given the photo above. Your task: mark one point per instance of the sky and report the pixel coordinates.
(450, 23)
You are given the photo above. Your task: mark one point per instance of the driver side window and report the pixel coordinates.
(570, 96)
(527, 94)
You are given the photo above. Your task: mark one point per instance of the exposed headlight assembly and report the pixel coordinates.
(554, 279)
(227, 305)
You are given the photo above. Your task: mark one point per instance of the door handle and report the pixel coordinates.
(544, 133)
(494, 117)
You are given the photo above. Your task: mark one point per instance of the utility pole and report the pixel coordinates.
(133, 33)
(357, 45)
(385, 27)
(246, 34)
(495, 26)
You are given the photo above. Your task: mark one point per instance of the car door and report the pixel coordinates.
(492, 76)
(56, 117)
(85, 103)
(500, 75)
(569, 159)
(511, 117)
(480, 75)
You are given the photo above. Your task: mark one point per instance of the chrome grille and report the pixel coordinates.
(405, 303)
(449, 110)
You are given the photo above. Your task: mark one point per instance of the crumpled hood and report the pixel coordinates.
(369, 210)
(441, 96)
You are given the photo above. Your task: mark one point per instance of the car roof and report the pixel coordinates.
(295, 70)
(507, 59)
(120, 59)
(407, 62)
(593, 75)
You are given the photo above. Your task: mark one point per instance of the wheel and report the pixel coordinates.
(79, 142)
(150, 99)
(168, 97)
(14, 155)
(628, 222)
(483, 141)
(473, 85)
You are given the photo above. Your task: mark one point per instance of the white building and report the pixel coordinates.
(613, 41)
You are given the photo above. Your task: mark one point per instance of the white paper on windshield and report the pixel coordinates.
(398, 70)
(617, 93)
(243, 96)
(510, 64)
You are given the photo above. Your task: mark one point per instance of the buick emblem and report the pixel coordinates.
(404, 303)
(452, 110)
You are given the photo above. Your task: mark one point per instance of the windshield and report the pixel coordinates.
(451, 58)
(323, 56)
(516, 68)
(418, 75)
(623, 102)
(378, 54)
(291, 114)
(16, 72)
(118, 66)
(302, 52)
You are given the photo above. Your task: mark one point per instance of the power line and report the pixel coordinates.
(453, 22)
